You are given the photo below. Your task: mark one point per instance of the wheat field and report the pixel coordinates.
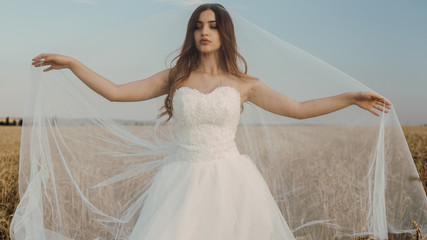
(9, 167)
(416, 137)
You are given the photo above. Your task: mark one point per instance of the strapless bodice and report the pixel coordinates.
(206, 123)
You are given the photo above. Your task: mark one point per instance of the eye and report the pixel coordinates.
(214, 26)
(197, 26)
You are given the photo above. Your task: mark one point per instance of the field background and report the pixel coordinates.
(416, 137)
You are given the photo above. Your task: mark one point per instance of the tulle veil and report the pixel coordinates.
(86, 163)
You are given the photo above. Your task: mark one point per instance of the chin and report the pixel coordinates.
(207, 49)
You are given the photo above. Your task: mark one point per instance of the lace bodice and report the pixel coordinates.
(205, 123)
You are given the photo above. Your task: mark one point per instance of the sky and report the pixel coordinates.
(381, 43)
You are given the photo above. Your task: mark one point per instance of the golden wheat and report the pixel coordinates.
(9, 164)
(417, 141)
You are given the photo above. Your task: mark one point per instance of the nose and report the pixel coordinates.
(205, 31)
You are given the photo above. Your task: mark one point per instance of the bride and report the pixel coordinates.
(207, 189)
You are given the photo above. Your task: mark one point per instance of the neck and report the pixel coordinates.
(208, 63)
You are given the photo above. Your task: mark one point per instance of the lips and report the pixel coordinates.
(204, 41)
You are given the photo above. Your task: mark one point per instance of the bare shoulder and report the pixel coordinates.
(250, 81)
(254, 88)
(249, 78)
(245, 84)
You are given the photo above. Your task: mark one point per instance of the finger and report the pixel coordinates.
(381, 105)
(380, 108)
(40, 56)
(48, 69)
(39, 61)
(383, 100)
(377, 96)
(39, 64)
(384, 103)
(47, 58)
(373, 112)
(43, 56)
(37, 57)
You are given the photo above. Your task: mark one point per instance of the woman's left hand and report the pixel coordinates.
(370, 101)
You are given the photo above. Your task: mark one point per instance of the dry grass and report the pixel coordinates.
(9, 163)
(417, 142)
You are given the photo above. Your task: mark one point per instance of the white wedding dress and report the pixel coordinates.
(207, 189)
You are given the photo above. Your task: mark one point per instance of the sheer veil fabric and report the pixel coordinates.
(86, 163)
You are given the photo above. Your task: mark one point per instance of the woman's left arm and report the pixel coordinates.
(277, 103)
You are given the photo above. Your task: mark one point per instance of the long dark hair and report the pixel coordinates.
(188, 60)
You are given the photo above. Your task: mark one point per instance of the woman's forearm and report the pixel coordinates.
(321, 106)
(93, 80)
(140, 90)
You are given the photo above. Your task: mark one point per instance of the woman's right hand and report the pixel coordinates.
(54, 61)
(140, 90)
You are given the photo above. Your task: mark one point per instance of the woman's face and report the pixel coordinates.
(206, 35)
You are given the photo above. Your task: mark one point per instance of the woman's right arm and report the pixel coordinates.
(140, 90)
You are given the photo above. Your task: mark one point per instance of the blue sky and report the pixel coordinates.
(381, 43)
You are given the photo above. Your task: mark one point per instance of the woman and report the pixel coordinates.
(205, 92)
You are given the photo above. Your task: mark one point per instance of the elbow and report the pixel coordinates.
(293, 114)
(112, 95)
(112, 98)
(299, 117)
(297, 112)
